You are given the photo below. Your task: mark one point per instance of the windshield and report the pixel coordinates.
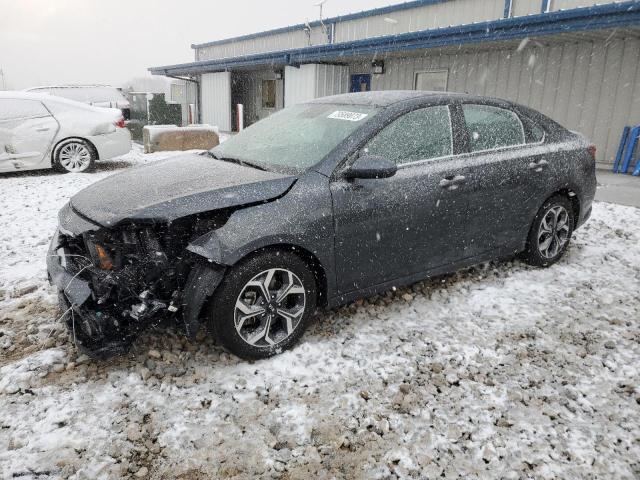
(295, 138)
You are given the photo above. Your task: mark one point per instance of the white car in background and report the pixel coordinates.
(40, 131)
(95, 95)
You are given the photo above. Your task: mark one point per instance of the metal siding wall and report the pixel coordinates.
(525, 7)
(267, 43)
(300, 84)
(589, 87)
(627, 99)
(314, 81)
(452, 12)
(332, 80)
(456, 12)
(216, 99)
(529, 7)
(567, 4)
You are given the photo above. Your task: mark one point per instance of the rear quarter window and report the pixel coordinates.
(492, 127)
(534, 133)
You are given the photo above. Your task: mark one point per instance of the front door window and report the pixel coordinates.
(419, 135)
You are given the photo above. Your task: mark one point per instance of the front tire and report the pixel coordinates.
(74, 156)
(264, 304)
(550, 232)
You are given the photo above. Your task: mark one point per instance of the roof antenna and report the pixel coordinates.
(322, 25)
(307, 30)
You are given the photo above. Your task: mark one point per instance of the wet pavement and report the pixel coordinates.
(618, 188)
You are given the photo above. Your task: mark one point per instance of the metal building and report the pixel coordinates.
(574, 60)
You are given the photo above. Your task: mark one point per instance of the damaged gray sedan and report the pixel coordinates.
(319, 204)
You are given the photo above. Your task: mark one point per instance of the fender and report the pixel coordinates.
(209, 247)
(303, 218)
(201, 283)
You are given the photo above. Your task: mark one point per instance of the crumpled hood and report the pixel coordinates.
(177, 187)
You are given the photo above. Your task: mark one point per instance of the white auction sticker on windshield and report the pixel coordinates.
(349, 116)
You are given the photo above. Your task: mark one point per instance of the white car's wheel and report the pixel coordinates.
(74, 156)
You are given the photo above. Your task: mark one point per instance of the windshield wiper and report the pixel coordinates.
(238, 161)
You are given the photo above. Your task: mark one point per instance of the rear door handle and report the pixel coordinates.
(539, 165)
(45, 129)
(452, 182)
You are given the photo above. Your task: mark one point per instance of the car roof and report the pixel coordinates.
(20, 95)
(47, 87)
(384, 98)
(48, 99)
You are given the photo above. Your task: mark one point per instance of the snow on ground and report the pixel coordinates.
(501, 371)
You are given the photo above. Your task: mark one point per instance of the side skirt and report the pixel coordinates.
(338, 300)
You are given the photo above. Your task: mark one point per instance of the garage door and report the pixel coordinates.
(216, 100)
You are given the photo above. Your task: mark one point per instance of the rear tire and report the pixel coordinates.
(264, 304)
(550, 232)
(74, 156)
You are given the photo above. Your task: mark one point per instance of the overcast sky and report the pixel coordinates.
(44, 42)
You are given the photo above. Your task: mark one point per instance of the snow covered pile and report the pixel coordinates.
(162, 138)
(501, 371)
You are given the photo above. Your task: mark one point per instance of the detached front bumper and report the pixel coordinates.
(95, 333)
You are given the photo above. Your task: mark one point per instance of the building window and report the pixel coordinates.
(433, 81)
(268, 94)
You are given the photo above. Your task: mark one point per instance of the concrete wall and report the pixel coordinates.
(592, 87)
(429, 16)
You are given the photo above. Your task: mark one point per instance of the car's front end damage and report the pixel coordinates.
(126, 254)
(115, 282)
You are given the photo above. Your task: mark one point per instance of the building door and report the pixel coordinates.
(360, 82)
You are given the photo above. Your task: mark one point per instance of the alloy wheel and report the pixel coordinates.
(553, 233)
(270, 307)
(74, 157)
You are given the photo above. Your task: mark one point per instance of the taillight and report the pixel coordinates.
(120, 123)
(592, 151)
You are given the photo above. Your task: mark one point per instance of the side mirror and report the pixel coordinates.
(371, 166)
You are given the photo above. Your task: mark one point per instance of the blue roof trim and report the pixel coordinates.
(586, 18)
(326, 21)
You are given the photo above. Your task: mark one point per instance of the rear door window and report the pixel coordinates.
(419, 135)
(14, 109)
(492, 127)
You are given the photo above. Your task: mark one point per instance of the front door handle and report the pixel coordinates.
(452, 182)
(539, 165)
